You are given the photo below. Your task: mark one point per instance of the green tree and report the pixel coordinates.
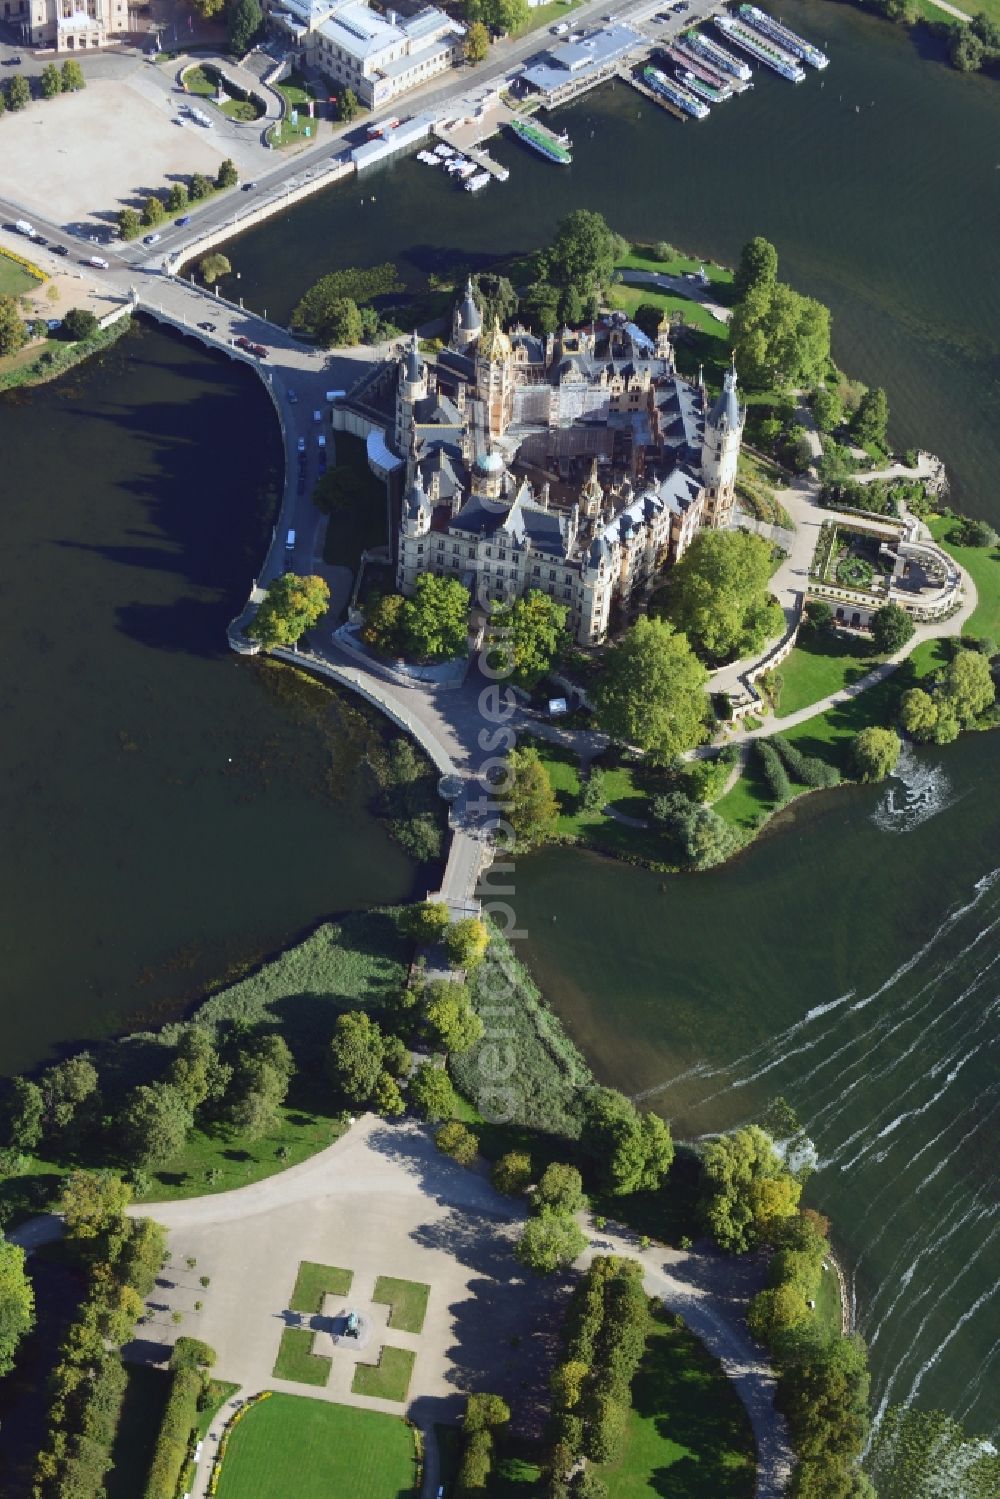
(560, 1189)
(918, 714)
(436, 619)
(510, 15)
(426, 922)
(79, 323)
(651, 692)
(571, 309)
(485, 1412)
(431, 1093)
(387, 1099)
(13, 333)
(630, 1152)
(50, 81)
(871, 418)
(512, 1173)
(262, 1073)
(245, 20)
(549, 1242)
(196, 1071)
(227, 175)
(92, 1202)
(594, 796)
(528, 800)
(456, 1140)
(583, 254)
(213, 266)
(775, 1311)
(758, 267)
(780, 337)
(72, 77)
(177, 197)
(874, 753)
(477, 43)
(153, 211)
(828, 409)
(357, 1052)
(475, 1466)
(721, 594)
(3, 102)
(975, 533)
(349, 108)
(966, 688)
(155, 1124)
(23, 1114)
(533, 630)
(18, 92)
(291, 606)
(738, 1209)
(384, 627)
(967, 52)
(341, 325)
(452, 1021)
(540, 305)
(892, 628)
(199, 187)
(129, 223)
(66, 1088)
(466, 942)
(17, 1303)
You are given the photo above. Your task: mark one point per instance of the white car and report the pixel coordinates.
(317, 416)
(301, 445)
(292, 396)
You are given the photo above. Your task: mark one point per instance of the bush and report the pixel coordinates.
(560, 1189)
(456, 1140)
(191, 1353)
(512, 1173)
(773, 771)
(874, 753)
(79, 323)
(431, 1093)
(808, 770)
(892, 628)
(476, 1465)
(180, 1416)
(973, 533)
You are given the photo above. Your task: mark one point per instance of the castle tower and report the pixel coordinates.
(415, 522)
(466, 322)
(488, 474)
(411, 386)
(721, 450)
(592, 495)
(495, 379)
(664, 347)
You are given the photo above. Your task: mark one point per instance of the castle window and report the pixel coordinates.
(536, 571)
(420, 549)
(552, 575)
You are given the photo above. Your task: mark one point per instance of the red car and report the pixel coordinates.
(259, 350)
(242, 343)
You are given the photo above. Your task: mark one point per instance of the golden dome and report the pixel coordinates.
(494, 344)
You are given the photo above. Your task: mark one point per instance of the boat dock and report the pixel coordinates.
(652, 95)
(701, 69)
(467, 134)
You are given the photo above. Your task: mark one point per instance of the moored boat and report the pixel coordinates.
(679, 97)
(555, 148)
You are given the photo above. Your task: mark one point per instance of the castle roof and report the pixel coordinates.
(494, 344)
(469, 316)
(726, 408)
(413, 366)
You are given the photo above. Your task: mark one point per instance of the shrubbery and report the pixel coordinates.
(773, 771)
(808, 770)
(173, 1444)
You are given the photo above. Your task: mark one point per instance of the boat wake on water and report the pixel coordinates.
(921, 793)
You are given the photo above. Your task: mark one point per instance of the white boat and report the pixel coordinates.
(443, 151)
(477, 183)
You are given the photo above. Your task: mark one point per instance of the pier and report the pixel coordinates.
(652, 95)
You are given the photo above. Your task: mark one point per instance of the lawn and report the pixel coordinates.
(642, 258)
(983, 563)
(14, 279)
(628, 298)
(549, 15)
(218, 1160)
(407, 1300)
(243, 110)
(822, 664)
(688, 1432)
(297, 94)
(313, 1282)
(296, 1360)
(197, 81)
(828, 1308)
(290, 1444)
(389, 1379)
(594, 829)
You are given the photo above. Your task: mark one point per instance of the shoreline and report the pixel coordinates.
(78, 353)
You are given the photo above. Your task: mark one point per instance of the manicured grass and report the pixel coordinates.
(243, 110)
(688, 1432)
(220, 1160)
(695, 314)
(291, 1445)
(313, 1282)
(828, 1309)
(389, 1379)
(746, 801)
(197, 81)
(820, 665)
(407, 1300)
(548, 15)
(297, 94)
(219, 1391)
(14, 279)
(642, 258)
(983, 564)
(296, 1360)
(594, 829)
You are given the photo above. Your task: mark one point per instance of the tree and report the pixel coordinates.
(594, 795)
(510, 15)
(549, 1242)
(466, 942)
(65, 1088)
(966, 688)
(227, 175)
(485, 1412)
(3, 102)
(92, 1202)
(721, 595)
(540, 305)
(51, 83)
(177, 197)
(828, 409)
(245, 20)
(758, 267)
(773, 1312)
(560, 1189)
(23, 1113)
(512, 1173)
(79, 323)
(196, 1071)
(452, 1021)
(528, 800)
(263, 1071)
(213, 266)
(630, 1152)
(383, 628)
(129, 223)
(570, 309)
(456, 1140)
(431, 1093)
(892, 628)
(155, 1124)
(17, 1303)
(426, 922)
(341, 325)
(974, 533)
(533, 630)
(72, 77)
(874, 753)
(153, 211)
(871, 418)
(583, 254)
(357, 1052)
(918, 714)
(199, 187)
(651, 692)
(436, 619)
(13, 333)
(780, 337)
(477, 43)
(18, 92)
(736, 1210)
(349, 106)
(967, 51)
(387, 1099)
(291, 606)
(819, 617)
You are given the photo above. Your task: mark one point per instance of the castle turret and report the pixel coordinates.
(495, 378)
(415, 523)
(721, 450)
(467, 322)
(411, 387)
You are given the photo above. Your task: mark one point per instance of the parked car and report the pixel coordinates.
(151, 239)
(292, 396)
(185, 218)
(259, 350)
(241, 342)
(53, 324)
(317, 416)
(60, 250)
(40, 239)
(208, 327)
(247, 186)
(13, 62)
(301, 445)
